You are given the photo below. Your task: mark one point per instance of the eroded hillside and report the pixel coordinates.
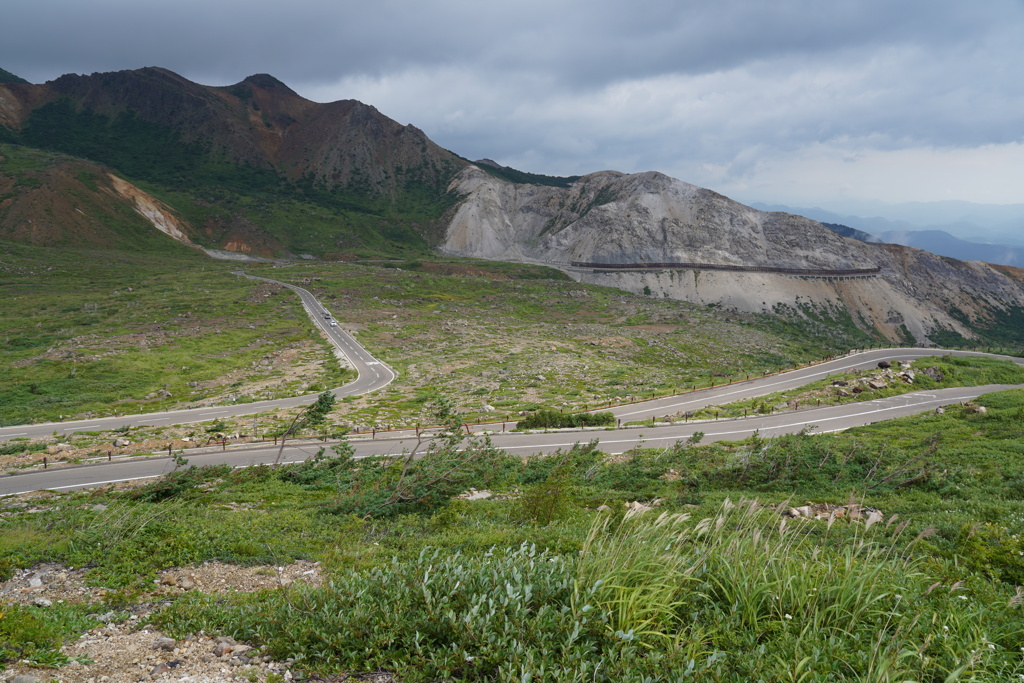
(610, 218)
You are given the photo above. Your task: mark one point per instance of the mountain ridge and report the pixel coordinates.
(257, 169)
(649, 218)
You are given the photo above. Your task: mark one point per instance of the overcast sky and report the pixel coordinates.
(805, 102)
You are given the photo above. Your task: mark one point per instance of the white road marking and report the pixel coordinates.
(75, 486)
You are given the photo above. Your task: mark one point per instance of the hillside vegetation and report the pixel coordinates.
(98, 332)
(215, 156)
(537, 584)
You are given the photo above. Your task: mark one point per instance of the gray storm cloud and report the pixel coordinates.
(734, 95)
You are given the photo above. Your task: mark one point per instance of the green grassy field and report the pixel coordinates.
(105, 333)
(499, 339)
(540, 585)
(102, 333)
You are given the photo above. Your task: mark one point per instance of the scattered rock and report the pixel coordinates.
(42, 602)
(940, 410)
(159, 669)
(878, 384)
(473, 494)
(934, 373)
(884, 364)
(637, 506)
(23, 678)
(165, 643)
(828, 511)
(121, 442)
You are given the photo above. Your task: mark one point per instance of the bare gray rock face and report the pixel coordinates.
(650, 218)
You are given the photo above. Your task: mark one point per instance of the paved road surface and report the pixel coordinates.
(373, 375)
(825, 419)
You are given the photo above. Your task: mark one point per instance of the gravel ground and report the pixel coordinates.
(129, 650)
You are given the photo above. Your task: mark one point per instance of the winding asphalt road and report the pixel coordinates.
(374, 375)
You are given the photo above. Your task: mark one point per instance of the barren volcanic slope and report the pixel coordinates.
(613, 219)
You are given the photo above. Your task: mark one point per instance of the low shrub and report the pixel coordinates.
(553, 419)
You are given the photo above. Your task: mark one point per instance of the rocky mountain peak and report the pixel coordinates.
(268, 82)
(650, 233)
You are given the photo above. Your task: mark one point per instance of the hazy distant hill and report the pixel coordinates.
(964, 226)
(852, 233)
(940, 242)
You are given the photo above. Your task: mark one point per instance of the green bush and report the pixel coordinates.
(734, 597)
(553, 419)
(35, 635)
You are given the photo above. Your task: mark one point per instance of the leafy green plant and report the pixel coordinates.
(553, 419)
(33, 635)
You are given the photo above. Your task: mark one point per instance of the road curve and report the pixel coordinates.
(760, 386)
(373, 374)
(816, 420)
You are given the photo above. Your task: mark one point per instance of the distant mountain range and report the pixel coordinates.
(149, 161)
(993, 221)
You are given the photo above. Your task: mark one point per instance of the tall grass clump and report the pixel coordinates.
(810, 600)
(637, 572)
(739, 596)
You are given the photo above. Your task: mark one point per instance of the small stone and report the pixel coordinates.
(23, 678)
(165, 644)
(42, 602)
(160, 668)
(187, 584)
